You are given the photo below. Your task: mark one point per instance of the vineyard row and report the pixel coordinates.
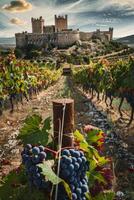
(21, 79)
(112, 79)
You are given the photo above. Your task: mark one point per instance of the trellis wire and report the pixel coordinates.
(60, 138)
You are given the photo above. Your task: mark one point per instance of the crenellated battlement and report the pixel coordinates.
(37, 24)
(61, 17)
(61, 23)
(37, 19)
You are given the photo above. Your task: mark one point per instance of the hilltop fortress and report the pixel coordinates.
(58, 35)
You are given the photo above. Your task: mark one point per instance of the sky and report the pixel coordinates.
(87, 15)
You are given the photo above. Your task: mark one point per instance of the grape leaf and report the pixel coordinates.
(47, 171)
(88, 196)
(31, 125)
(11, 182)
(46, 124)
(84, 146)
(67, 188)
(92, 136)
(97, 176)
(32, 132)
(105, 196)
(78, 136)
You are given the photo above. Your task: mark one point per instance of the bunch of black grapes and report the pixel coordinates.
(73, 168)
(31, 157)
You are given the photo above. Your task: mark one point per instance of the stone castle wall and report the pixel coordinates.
(60, 39)
(49, 29)
(67, 38)
(59, 35)
(36, 39)
(103, 35)
(20, 40)
(86, 36)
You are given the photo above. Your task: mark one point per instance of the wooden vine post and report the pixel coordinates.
(63, 121)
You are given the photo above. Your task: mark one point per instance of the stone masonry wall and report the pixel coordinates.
(67, 38)
(61, 23)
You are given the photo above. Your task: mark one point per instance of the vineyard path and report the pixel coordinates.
(86, 112)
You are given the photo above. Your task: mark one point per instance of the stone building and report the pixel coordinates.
(57, 35)
(67, 38)
(49, 29)
(61, 23)
(102, 35)
(37, 25)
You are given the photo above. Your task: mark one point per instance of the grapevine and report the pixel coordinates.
(23, 79)
(113, 80)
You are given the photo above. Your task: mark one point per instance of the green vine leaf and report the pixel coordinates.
(97, 176)
(78, 136)
(67, 188)
(105, 196)
(88, 196)
(92, 136)
(34, 132)
(47, 171)
(31, 125)
(46, 124)
(84, 146)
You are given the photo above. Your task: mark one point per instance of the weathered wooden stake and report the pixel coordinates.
(68, 116)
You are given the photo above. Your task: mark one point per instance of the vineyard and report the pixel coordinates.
(20, 79)
(112, 80)
(78, 154)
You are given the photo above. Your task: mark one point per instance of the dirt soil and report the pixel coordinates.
(10, 124)
(86, 112)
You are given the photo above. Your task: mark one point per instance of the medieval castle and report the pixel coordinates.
(58, 35)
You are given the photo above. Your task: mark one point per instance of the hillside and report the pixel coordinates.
(129, 40)
(7, 42)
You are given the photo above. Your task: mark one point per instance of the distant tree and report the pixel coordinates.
(33, 54)
(18, 53)
(4, 52)
(31, 47)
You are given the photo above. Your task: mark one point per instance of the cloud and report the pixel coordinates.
(18, 6)
(88, 15)
(101, 25)
(17, 21)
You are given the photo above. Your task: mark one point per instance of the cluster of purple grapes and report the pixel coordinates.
(73, 168)
(31, 157)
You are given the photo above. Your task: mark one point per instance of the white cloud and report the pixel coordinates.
(17, 21)
(18, 6)
(101, 25)
(125, 4)
(123, 31)
(95, 9)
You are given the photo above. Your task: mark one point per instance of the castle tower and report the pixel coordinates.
(61, 23)
(37, 25)
(111, 33)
